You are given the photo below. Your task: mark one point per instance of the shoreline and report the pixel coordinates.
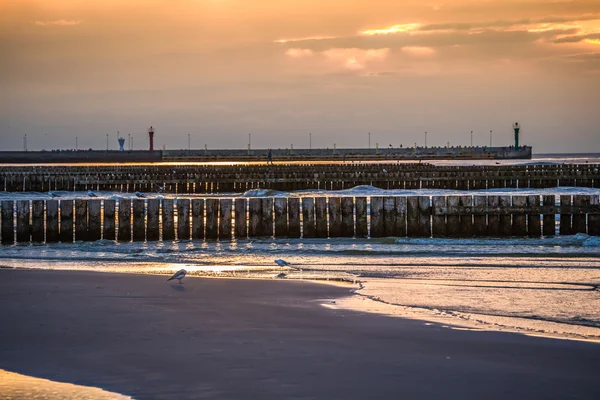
(381, 304)
(137, 335)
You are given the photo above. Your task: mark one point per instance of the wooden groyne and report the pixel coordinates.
(182, 179)
(126, 220)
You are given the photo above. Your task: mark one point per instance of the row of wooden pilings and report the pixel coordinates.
(238, 179)
(308, 217)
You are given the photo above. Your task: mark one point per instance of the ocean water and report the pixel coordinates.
(547, 284)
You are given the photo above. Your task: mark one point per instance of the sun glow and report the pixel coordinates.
(400, 28)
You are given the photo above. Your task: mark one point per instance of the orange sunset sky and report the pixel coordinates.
(279, 69)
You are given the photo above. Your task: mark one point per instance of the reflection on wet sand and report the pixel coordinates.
(17, 386)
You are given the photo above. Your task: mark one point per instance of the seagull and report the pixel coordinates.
(140, 194)
(179, 275)
(53, 195)
(160, 189)
(281, 275)
(92, 194)
(385, 171)
(282, 263)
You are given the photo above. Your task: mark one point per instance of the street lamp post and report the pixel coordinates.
(310, 141)
(490, 138)
(107, 142)
(189, 143)
(471, 138)
(425, 139)
(369, 140)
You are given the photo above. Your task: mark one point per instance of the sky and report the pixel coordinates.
(280, 70)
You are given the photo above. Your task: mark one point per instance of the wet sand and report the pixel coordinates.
(242, 339)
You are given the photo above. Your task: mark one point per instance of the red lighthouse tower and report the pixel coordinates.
(151, 135)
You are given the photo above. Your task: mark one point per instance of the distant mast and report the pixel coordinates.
(121, 144)
(151, 135)
(516, 127)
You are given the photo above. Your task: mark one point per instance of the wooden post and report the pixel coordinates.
(519, 219)
(281, 223)
(377, 228)
(124, 234)
(362, 229)
(109, 220)
(308, 217)
(94, 220)
(347, 228)
(168, 221)
(23, 221)
(534, 228)
(565, 216)
(439, 219)
(241, 227)
(453, 219)
(466, 220)
(153, 220)
(37, 221)
(505, 219)
(579, 220)
(335, 217)
(212, 215)
(493, 217)
(321, 217)
(81, 220)
(389, 216)
(198, 218)
(401, 207)
(424, 221)
(8, 233)
(294, 217)
(51, 221)
(255, 217)
(479, 221)
(594, 219)
(267, 216)
(549, 217)
(139, 223)
(183, 219)
(412, 217)
(225, 230)
(66, 221)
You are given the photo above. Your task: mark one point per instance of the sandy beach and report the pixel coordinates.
(140, 336)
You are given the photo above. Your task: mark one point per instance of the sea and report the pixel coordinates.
(545, 286)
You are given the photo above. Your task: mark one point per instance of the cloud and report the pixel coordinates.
(298, 53)
(577, 38)
(419, 51)
(302, 39)
(354, 58)
(401, 28)
(58, 22)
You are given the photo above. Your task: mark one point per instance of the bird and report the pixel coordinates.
(281, 275)
(160, 189)
(140, 194)
(385, 171)
(282, 263)
(179, 275)
(92, 194)
(53, 195)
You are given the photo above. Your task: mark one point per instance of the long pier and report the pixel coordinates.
(278, 155)
(126, 220)
(187, 179)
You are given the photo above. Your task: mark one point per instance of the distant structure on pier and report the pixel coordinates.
(151, 136)
(517, 128)
(121, 144)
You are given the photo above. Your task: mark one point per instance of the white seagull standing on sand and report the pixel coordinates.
(179, 275)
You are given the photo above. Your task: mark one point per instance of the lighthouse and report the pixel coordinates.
(151, 136)
(517, 128)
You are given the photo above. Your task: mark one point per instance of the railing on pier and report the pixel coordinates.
(127, 220)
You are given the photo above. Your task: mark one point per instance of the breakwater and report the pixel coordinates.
(182, 179)
(258, 155)
(128, 220)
